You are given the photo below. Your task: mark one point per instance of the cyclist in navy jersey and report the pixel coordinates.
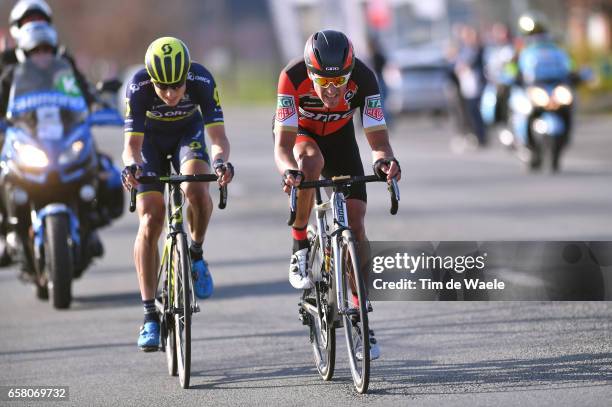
(170, 104)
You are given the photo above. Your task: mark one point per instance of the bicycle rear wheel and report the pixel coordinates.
(355, 318)
(322, 299)
(182, 310)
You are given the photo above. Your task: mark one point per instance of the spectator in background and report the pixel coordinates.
(456, 101)
(497, 54)
(469, 69)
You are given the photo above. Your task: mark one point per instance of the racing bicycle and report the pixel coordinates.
(338, 298)
(175, 300)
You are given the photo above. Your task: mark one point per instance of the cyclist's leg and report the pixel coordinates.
(310, 162)
(151, 215)
(150, 207)
(192, 158)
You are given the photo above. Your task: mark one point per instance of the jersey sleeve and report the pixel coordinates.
(372, 115)
(208, 95)
(286, 117)
(135, 108)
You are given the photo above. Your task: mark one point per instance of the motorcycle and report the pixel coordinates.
(50, 174)
(541, 106)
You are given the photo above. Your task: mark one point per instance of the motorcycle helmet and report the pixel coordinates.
(27, 8)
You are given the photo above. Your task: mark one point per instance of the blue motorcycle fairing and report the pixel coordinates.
(38, 224)
(68, 172)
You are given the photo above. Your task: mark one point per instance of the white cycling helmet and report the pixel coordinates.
(25, 8)
(32, 35)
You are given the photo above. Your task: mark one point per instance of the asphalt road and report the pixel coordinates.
(249, 347)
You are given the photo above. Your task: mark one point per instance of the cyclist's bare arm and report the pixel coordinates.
(220, 149)
(381, 148)
(284, 140)
(132, 153)
(219, 143)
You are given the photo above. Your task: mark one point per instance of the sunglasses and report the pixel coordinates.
(173, 86)
(324, 82)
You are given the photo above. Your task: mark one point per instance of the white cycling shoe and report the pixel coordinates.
(298, 273)
(374, 348)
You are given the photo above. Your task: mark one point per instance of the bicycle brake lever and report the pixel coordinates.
(132, 199)
(222, 197)
(395, 196)
(292, 205)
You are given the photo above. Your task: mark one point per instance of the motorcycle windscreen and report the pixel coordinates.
(544, 63)
(46, 100)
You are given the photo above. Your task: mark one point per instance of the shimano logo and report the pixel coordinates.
(332, 68)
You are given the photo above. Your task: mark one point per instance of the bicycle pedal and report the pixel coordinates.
(195, 308)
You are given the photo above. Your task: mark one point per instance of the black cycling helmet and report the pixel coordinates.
(329, 53)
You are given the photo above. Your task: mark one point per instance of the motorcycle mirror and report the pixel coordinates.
(109, 85)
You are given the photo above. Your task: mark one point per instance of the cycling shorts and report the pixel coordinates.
(341, 154)
(184, 144)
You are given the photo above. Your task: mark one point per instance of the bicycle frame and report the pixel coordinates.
(337, 205)
(174, 227)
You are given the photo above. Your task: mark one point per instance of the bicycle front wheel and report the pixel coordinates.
(355, 317)
(182, 309)
(322, 301)
(165, 280)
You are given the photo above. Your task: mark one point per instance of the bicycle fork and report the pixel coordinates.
(339, 214)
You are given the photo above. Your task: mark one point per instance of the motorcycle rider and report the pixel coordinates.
(539, 63)
(23, 13)
(37, 41)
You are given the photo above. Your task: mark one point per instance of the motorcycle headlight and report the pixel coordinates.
(538, 96)
(30, 156)
(71, 153)
(563, 95)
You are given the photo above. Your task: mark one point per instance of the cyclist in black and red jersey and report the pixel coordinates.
(314, 135)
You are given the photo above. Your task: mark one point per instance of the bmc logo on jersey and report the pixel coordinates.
(373, 107)
(285, 107)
